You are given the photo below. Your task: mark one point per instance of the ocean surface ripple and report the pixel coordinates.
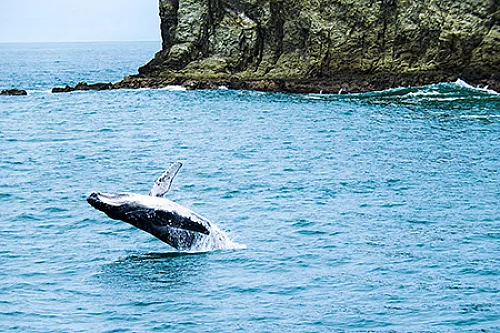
(362, 212)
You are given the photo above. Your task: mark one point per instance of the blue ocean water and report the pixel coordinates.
(364, 212)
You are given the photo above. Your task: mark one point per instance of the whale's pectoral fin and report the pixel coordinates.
(179, 222)
(151, 220)
(162, 184)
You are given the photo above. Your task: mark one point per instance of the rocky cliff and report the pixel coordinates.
(313, 45)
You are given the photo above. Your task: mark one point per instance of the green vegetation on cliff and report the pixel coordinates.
(318, 44)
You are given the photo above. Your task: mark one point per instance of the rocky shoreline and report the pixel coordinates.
(341, 84)
(334, 85)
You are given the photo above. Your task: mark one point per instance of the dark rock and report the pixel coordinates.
(62, 89)
(14, 92)
(84, 86)
(95, 86)
(309, 46)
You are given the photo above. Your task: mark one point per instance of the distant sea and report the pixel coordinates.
(375, 212)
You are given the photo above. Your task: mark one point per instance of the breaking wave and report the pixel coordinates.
(440, 92)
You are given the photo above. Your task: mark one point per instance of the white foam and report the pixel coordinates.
(449, 99)
(421, 93)
(174, 88)
(463, 84)
(477, 116)
(36, 91)
(314, 97)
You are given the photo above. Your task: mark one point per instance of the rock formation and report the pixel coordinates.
(84, 86)
(14, 92)
(312, 45)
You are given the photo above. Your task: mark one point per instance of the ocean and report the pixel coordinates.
(373, 212)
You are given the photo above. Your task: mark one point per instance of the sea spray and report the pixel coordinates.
(216, 240)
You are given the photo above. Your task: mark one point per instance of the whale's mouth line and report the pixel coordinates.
(94, 200)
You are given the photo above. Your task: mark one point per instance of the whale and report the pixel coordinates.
(170, 222)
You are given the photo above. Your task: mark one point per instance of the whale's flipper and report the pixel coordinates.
(163, 218)
(162, 184)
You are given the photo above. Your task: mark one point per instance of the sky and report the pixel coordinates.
(79, 20)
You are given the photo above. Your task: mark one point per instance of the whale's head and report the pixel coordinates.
(115, 205)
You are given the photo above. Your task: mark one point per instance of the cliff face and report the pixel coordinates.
(322, 44)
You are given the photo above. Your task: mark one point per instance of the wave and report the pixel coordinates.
(465, 85)
(458, 95)
(447, 90)
(446, 101)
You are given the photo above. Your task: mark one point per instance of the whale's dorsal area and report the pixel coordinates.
(162, 185)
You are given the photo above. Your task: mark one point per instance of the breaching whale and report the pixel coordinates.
(170, 222)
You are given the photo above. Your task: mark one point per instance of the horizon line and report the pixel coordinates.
(78, 41)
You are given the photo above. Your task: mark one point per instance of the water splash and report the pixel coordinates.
(216, 240)
(462, 84)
